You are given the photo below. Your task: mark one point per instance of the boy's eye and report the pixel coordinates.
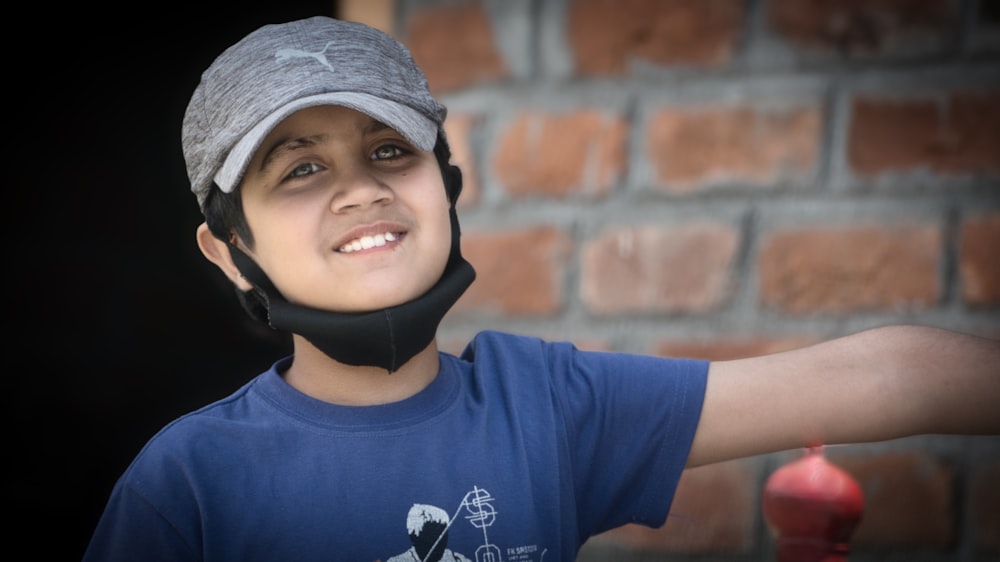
(386, 151)
(303, 170)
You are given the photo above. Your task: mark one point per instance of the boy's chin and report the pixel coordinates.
(368, 304)
(372, 295)
(383, 297)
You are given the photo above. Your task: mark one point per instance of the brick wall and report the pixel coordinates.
(722, 178)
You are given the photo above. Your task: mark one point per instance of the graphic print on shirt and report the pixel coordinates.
(428, 527)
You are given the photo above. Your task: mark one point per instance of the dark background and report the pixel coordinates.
(116, 322)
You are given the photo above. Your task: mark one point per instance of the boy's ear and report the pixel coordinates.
(217, 252)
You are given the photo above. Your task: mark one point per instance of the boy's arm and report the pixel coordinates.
(879, 384)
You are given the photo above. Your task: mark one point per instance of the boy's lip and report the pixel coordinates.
(370, 230)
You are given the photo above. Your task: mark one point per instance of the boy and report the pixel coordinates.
(317, 156)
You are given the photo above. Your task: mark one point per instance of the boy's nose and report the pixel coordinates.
(360, 192)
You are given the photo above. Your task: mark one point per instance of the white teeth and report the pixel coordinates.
(366, 242)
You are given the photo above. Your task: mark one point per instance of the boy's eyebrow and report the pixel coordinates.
(289, 145)
(374, 125)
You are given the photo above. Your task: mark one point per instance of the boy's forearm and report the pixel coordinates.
(910, 380)
(953, 378)
(876, 385)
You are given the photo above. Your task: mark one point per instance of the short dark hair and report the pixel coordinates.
(225, 219)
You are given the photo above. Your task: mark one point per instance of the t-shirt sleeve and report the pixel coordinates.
(131, 528)
(630, 420)
(153, 512)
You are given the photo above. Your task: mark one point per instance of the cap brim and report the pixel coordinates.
(413, 125)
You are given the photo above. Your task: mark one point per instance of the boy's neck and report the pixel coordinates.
(317, 375)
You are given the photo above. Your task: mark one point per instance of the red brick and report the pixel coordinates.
(379, 15)
(454, 45)
(850, 269)
(714, 511)
(724, 349)
(860, 26)
(652, 268)
(909, 499)
(979, 260)
(458, 128)
(605, 36)
(519, 272)
(953, 133)
(556, 155)
(691, 146)
(984, 505)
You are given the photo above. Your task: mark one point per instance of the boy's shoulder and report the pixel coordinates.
(191, 431)
(492, 342)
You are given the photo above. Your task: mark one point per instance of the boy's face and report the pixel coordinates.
(346, 214)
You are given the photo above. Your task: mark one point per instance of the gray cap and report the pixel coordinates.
(282, 68)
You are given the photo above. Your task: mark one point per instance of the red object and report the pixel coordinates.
(812, 507)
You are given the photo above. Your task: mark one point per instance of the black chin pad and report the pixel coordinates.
(386, 338)
(453, 183)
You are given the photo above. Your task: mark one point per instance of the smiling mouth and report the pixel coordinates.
(368, 242)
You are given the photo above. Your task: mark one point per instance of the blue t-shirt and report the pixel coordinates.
(518, 451)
